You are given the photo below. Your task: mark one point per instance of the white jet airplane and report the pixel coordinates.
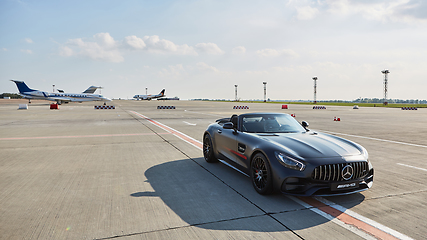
(60, 97)
(149, 97)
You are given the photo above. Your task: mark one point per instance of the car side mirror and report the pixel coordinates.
(305, 124)
(228, 125)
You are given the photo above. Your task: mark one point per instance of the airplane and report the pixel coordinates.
(149, 97)
(60, 97)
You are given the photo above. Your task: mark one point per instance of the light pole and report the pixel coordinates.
(235, 86)
(315, 89)
(146, 91)
(265, 91)
(385, 72)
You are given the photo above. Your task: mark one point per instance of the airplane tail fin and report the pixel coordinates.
(91, 89)
(22, 87)
(162, 93)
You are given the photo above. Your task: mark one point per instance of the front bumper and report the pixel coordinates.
(309, 187)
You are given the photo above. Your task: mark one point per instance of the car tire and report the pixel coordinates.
(261, 174)
(208, 152)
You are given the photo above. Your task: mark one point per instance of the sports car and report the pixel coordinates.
(282, 155)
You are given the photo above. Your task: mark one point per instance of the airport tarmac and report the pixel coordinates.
(81, 173)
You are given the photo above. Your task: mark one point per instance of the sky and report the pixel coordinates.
(203, 48)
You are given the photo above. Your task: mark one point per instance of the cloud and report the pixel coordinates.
(385, 11)
(413, 9)
(306, 12)
(103, 48)
(134, 42)
(4, 49)
(205, 67)
(27, 51)
(268, 52)
(377, 10)
(239, 50)
(66, 51)
(28, 40)
(257, 72)
(209, 48)
(372, 10)
(157, 45)
(173, 71)
(104, 40)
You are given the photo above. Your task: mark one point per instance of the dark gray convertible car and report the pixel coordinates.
(280, 154)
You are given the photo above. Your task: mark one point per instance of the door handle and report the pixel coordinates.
(241, 147)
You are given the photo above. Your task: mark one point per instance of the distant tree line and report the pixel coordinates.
(359, 100)
(378, 100)
(11, 95)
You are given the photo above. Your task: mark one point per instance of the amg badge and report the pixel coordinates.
(344, 185)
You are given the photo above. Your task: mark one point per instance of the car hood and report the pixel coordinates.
(313, 145)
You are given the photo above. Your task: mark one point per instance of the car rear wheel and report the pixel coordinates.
(208, 150)
(261, 174)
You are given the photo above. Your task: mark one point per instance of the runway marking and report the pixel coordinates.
(81, 136)
(401, 164)
(168, 129)
(377, 139)
(215, 115)
(192, 124)
(362, 226)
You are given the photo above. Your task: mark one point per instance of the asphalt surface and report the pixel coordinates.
(81, 173)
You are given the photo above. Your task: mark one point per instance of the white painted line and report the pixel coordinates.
(364, 219)
(215, 115)
(191, 124)
(81, 136)
(376, 139)
(401, 164)
(168, 129)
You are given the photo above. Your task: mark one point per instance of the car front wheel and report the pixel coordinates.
(261, 174)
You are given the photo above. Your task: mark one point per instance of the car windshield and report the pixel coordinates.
(270, 123)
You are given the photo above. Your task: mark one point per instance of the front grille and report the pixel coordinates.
(333, 172)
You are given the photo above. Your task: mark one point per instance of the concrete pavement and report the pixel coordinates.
(80, 173)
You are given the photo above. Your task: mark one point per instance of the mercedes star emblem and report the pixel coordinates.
(347, 172)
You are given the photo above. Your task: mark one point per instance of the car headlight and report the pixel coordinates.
(365, 153)
(366, 156)
(290, 162)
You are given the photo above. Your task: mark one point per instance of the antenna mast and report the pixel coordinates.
(315, 89)
(385, 72)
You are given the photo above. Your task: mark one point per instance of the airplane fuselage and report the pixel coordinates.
(63, 97)
(143, 97)
(149, 97)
